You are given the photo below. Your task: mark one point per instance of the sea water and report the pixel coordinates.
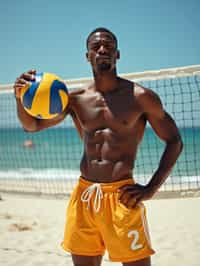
(56, 154)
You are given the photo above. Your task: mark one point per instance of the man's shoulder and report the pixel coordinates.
(79, 91)
(76, 92)
(137, 88)
(143, 93)
(147, 99)
(139, 91)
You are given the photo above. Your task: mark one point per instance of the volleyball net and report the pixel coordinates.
(48, 161)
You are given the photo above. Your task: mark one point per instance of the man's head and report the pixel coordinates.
(102, 50)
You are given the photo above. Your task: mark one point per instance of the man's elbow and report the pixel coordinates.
(32, 127)
(29, 129)
(178, 143)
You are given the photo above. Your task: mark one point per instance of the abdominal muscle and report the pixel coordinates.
(108, 157)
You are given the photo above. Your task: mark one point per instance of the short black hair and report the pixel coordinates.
(102, 29)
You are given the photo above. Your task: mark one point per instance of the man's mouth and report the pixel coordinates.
(103, 58)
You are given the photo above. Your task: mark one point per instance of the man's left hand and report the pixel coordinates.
(131, 195)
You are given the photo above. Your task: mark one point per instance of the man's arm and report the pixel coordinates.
(166, 129)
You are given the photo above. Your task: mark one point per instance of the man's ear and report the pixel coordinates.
(118, 54)
(87, 56)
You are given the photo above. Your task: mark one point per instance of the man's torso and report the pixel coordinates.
(112, 125)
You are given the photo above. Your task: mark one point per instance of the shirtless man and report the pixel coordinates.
(106, 210)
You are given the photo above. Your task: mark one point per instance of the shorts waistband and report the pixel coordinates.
(106, 187)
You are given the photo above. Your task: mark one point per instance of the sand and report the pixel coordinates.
(31, 229)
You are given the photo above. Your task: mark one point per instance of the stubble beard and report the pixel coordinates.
(104, 67)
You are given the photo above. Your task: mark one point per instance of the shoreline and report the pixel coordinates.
(54, 188)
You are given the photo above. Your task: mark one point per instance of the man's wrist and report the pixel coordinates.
(16, 96)
(152, 188)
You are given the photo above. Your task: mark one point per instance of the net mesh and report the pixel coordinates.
(48, 161)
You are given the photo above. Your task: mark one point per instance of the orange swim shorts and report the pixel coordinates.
(97, 221)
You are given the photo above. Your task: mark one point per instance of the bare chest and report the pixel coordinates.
(115, 111)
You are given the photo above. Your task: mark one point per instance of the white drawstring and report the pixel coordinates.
(88, 192)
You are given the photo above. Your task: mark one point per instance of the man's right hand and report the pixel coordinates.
(23, 80)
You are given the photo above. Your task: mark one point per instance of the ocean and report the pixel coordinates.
(57, 151)
(56, 154)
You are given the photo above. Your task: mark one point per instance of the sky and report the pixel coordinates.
(50, 35)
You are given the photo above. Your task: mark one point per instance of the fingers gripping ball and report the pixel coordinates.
(46, 97)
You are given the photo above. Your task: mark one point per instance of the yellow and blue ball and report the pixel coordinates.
(45, 97)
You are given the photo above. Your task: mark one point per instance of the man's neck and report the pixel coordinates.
(106, 82)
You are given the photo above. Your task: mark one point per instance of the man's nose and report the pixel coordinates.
(102, 50)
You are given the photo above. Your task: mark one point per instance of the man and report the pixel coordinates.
(106, 210)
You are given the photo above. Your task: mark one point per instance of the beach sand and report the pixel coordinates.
(31, 229)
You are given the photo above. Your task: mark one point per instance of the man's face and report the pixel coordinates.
(102, 52)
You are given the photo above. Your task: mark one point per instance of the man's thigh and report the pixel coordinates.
(80, 260)
(143, 262)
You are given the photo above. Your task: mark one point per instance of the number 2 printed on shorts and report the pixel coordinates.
(135, 235)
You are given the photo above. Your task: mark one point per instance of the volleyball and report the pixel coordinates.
(45, 97)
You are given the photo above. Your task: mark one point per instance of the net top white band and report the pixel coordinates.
(136, 76)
